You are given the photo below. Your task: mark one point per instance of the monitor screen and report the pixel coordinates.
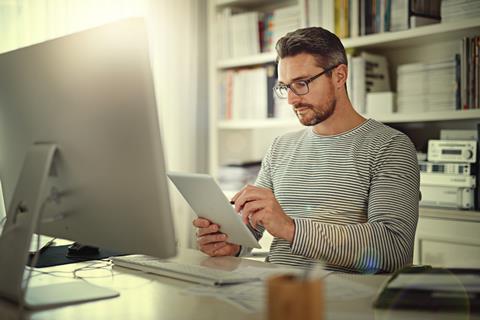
(91, 94)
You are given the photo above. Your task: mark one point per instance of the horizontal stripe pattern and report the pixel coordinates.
(353, 197)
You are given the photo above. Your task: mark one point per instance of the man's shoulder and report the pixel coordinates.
(384, 132)
(385, 140)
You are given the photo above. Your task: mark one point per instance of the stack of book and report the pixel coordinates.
(238, 33)
(455, 10)
(243, 94)
(285, 20)
(245, 34)
(242, 33)
(423, 87)
(247, 94)
(368, 73)
(235, 176)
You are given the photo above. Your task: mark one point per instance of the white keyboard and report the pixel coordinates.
(193, 273)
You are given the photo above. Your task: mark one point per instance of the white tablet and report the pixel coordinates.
(208, 201)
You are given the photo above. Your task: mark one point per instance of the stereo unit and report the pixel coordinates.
(445, 167)
(447, 197)
(452, 150)
(447, 180)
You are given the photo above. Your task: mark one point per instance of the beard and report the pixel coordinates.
(314, 115)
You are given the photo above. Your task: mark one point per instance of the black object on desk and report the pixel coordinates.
(58, 255)
(449, 289)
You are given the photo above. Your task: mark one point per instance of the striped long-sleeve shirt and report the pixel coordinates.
(353, 197)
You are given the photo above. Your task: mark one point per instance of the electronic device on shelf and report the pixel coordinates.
(452, 151)
(447, 197)
(445, 167)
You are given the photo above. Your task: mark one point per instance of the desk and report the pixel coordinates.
(146, 296)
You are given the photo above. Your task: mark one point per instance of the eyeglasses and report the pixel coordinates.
(300, 87)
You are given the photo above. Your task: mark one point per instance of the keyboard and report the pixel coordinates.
(182, 271)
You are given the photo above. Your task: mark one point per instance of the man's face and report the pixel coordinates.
(319, 103)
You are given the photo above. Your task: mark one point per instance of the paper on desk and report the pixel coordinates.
(249, 297)
(437, 282)
(264, 273)
(340, 289)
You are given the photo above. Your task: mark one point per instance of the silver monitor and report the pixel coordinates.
(81, 154)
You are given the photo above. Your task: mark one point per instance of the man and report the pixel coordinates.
(345, 190)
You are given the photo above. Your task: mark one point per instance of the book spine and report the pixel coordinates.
(271, 81)
(388, 13)
(476, 43)
(458, 98)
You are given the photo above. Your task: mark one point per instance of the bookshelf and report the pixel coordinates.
(432, 42)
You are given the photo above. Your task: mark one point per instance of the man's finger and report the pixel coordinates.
(212, 247)
(210, 229)
(251, 193)
(222, 249)
(201, 223)
(238, 194)
(253, 206)
(217, 237)
(256, 219)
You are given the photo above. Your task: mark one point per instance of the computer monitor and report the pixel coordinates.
(80, 147)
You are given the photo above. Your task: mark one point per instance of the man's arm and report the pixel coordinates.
(385, 242)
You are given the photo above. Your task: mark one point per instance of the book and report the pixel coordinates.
(342, 29)
(418, 21)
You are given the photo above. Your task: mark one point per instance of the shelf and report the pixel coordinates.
(416, 36)
(255, 124)
(247, 61)
(388, 118)
(410, 37)
(256, 3)
(452, 214)
(426, 116)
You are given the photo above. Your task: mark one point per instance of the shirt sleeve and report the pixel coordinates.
(385, 242)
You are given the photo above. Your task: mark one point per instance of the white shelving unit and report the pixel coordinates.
(443, 235)
(252, 129)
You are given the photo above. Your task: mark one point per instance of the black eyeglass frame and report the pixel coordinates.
(306, 82)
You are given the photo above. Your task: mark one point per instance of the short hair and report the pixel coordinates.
(325, 46)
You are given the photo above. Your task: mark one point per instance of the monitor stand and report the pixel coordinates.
(23, 217)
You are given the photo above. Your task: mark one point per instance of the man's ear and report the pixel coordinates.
(340, 74)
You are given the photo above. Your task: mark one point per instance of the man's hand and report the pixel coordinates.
(213, 242)
(259, 206)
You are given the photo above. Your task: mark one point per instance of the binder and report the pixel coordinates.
(429, 288)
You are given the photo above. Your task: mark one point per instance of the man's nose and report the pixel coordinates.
(292, 97)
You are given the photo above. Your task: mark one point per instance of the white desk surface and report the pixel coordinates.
(146, 296)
